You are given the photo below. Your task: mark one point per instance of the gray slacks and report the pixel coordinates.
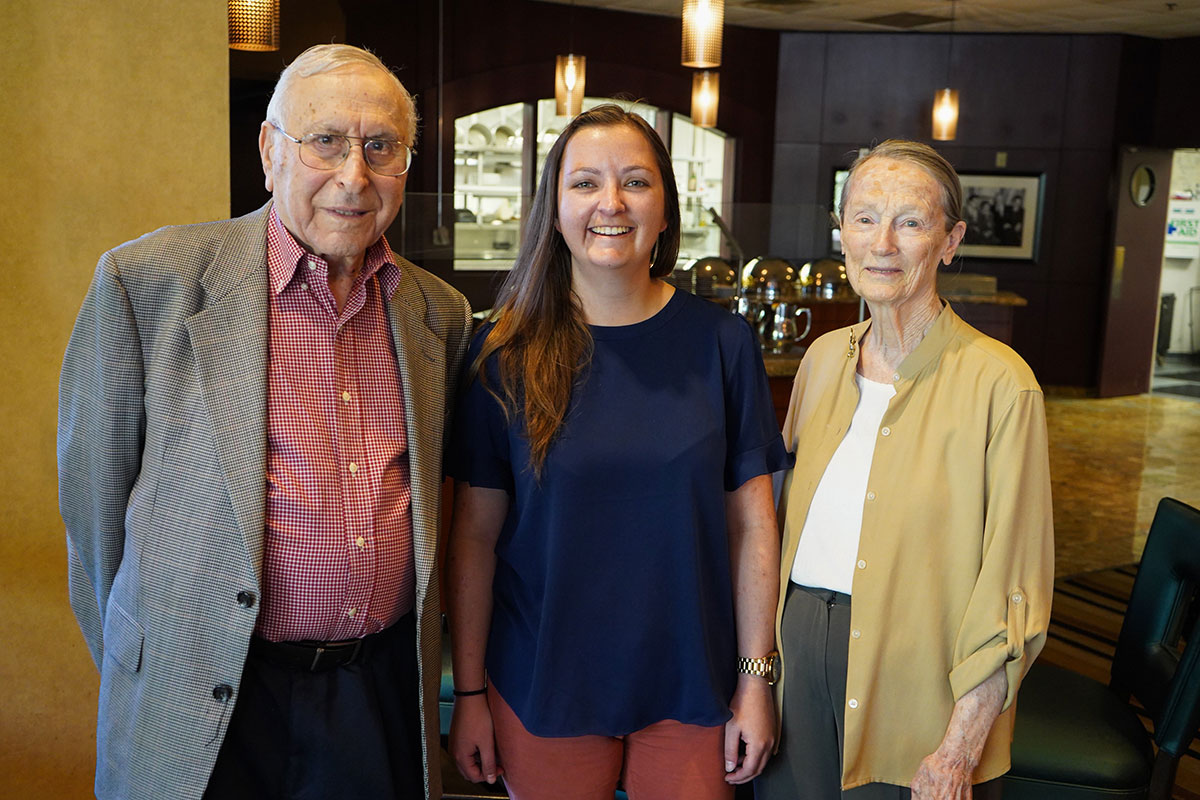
(808, 766)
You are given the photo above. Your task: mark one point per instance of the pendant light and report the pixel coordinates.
(569, 74)
(705, 96)
(945, 101)
(703, 21)
(254, 25)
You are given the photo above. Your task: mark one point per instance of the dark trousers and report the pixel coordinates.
(816, 632)
(349, 732)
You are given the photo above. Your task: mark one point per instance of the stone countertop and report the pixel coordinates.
(996, 299)
(783, 365)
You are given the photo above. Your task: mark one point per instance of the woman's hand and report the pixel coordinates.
(943, 775)
(472, 740)
(946, 773)
(752, 725)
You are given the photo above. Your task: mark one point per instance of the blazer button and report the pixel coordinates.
(245, 599)
(222, 692)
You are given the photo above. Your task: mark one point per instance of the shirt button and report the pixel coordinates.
(312, 264)
(886, 431)
(870, 495)
(346, 396)
(361, 542)
(351, 613)
(1017, 598)
(353, 468)
(896, 376)
(856, 633)
(852, 703)
(862, 564)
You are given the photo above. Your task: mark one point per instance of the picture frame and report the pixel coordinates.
(1003, 215)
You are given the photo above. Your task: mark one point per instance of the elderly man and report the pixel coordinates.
(250, 441)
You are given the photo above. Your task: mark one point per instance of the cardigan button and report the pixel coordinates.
(245, 599)
(222, 692)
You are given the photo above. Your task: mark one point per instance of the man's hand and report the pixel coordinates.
(752, 724)
(472, 739)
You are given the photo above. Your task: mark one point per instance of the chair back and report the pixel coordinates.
(1149, 662)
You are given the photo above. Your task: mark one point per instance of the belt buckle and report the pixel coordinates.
(320, 651)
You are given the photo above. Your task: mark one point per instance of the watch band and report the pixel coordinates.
(765, 667)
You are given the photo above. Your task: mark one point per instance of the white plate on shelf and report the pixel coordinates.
(504, 136)
(479, 135)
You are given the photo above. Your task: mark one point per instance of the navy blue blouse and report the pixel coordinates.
(613, 605)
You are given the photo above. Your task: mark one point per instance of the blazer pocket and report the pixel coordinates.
(123, 637)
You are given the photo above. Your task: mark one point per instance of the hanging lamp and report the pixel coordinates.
(706, 94)
(569, 73)
(703, 21)
(945, 101)
(254, 25)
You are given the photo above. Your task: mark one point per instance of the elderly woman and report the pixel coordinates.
(613, 551)
(917, 545)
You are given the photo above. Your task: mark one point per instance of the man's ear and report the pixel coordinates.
(266, 152)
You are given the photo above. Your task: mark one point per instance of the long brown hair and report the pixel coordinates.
(540, 337)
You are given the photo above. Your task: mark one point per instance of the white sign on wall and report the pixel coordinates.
(1183, 229)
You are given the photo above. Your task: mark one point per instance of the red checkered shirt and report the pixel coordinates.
(339, 553)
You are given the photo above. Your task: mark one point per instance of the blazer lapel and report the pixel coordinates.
(421, 357)
(230, 340)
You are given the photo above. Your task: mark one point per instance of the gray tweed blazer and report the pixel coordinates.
(162, 462)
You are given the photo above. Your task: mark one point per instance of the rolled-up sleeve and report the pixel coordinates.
(1009, 610)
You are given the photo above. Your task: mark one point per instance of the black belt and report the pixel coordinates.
(309, 656)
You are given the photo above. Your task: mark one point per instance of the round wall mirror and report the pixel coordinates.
(1141, 186)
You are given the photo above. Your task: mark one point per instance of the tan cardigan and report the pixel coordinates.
(956, 558)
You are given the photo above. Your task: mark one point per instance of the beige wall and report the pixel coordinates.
(114, 120)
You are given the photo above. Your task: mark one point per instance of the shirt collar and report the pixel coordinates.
(930, 348)
(285, 255)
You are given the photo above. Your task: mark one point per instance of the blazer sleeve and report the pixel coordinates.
(101, 427)
(1008, 613)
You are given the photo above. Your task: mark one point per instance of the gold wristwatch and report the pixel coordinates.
(765, 667)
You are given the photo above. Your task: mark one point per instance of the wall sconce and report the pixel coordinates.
(706, 93)
(945, 115)
(254, 25)
(702, 24)
(569, 73)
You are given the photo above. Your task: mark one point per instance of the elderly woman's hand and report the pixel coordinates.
(946, 773)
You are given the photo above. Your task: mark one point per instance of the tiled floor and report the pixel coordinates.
(1177, 376)
(1111, 461)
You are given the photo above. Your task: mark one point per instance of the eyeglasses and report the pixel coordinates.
(329, 150)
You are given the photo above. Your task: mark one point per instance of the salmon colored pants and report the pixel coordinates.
(664, 761)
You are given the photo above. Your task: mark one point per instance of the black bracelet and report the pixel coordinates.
(457, 693)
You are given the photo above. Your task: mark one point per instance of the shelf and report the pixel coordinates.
(479, 190)
(510, 225)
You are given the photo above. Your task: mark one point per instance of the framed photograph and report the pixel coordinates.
(1003, 214)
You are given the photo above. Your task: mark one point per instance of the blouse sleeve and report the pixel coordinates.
(479, 452)
(1009, 610)
(754, 444)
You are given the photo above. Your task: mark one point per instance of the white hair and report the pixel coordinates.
(323, 58)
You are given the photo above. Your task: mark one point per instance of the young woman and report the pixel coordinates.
(613, 548)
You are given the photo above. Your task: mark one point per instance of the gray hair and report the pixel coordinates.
(924, 157)
(323, 58)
